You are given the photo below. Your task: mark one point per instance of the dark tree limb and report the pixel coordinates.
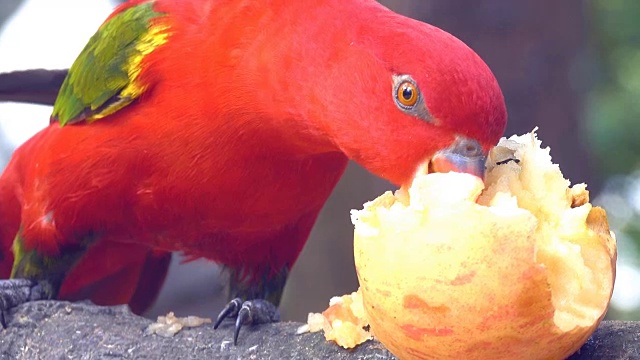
(55, 330)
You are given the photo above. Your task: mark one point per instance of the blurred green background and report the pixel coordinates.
(572, 68)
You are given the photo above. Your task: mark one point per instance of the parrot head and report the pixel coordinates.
(411, 98)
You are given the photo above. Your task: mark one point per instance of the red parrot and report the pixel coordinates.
(219, 128)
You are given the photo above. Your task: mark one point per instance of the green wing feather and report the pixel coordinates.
(104, 77)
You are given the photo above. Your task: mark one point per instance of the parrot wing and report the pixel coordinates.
(106, 75)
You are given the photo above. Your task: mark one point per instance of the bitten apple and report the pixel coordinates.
(520, 266)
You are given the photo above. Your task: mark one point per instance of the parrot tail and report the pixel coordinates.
(9, 222)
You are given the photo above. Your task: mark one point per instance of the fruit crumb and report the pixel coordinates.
(169, 325)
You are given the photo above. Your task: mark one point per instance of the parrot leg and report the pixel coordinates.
(253, 304)
(35, 276)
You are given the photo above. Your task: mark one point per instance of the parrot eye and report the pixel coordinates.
(407, 94)
(408, 97)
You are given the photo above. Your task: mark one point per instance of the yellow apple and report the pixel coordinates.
(521, 266)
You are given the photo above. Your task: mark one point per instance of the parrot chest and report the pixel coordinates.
(220, 207)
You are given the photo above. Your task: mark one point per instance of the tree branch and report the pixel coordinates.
(37, 86)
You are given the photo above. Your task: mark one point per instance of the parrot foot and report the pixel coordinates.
(14, 292)
(251, 312)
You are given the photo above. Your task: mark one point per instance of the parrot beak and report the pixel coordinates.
(464, 155)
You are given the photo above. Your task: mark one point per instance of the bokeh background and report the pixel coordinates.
(572, 68)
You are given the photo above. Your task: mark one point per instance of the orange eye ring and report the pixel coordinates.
(407, 94)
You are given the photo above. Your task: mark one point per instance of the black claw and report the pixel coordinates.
(244, 318)
(14, 292)
(252, 312)
(230, 310)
